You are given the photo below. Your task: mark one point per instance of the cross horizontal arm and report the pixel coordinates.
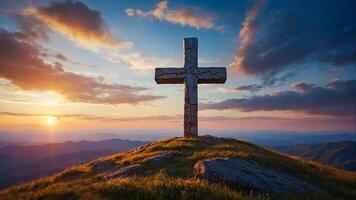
(170, 75)
(211, 74)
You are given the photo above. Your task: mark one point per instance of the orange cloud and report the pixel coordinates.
(185, 16)
(21, 62)
(247, 35)
(213, 122)
(78, 22)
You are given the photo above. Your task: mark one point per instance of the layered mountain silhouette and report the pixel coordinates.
(22, 163)
(337, 154)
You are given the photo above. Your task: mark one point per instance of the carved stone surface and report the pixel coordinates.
(170, 75)
(177, 75)
(191, 75)
(191, 106)
(190, 52)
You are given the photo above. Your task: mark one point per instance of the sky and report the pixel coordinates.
(76, 66)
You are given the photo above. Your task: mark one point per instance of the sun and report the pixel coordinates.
(51, 121)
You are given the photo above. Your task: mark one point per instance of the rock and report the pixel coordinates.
(103, 165)
(168, 171)
(238, 172)
(159, 158)
(130, 170)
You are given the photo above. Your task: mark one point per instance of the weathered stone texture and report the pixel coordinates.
(190, 52)
(190, 75)
(191, 107)
(159, 158)
(248, 174)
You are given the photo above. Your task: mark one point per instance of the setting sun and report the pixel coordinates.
(51, 121)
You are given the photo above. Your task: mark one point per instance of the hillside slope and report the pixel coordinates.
(338, 154)
(174, 176)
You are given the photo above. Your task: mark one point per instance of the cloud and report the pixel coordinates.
(137, 61)
(242, 88)
(305, 123)
(97, 118)
(250, 88)
(21, 62)
(172, 118)
(60, 57)
(130, 12)
(78, 22)
(302, 86)
(204, 60)
(247, 36)
(337, 98)
(283, 37)
(31, 28)
(187, 16)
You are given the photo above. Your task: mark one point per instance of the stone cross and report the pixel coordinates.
(190, 75)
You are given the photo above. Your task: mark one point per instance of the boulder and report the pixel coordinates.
(159, 158)
(168, 171)
(103, 165)
(248, 174)
(130, 170)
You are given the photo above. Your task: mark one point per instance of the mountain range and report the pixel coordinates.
(337, 154)
(20, 163)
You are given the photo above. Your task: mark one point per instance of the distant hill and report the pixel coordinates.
(20, 163)
(4, 143)
(338, 154)
(167, 169)
(287, 139)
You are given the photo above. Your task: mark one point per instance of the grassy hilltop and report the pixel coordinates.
(81, 182)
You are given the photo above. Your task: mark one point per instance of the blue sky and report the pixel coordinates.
(277, 53)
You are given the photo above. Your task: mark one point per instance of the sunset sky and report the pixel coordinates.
(89, 65)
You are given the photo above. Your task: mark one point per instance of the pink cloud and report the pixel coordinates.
(188, 16)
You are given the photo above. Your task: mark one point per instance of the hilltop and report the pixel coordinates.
(174, 169)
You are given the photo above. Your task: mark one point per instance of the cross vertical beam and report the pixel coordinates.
(191, 91)
(191, 106)
(190, 53)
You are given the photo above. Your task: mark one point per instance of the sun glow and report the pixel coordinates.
(51, 121)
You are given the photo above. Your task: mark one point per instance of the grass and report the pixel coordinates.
(81, 183)
(155, 187)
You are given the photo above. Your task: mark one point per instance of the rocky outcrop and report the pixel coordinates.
(168, 171)
(159, 158)
(103, 165)
(142, 169)
(247, 174)
(130, 170)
